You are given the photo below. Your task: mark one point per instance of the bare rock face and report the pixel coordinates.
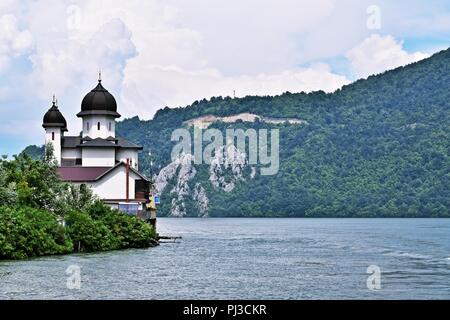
(205, 121)
(229, 160)
(165, 175)
(183, 170)
(202, 200)
(225, 171)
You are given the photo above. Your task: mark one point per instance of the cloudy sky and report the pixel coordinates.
(170, 53)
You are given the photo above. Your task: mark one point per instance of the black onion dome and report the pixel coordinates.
(54, 118)
(99, 102)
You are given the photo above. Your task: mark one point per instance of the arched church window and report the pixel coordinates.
(110, 126)
(53, 136)
(87, 126)
(98, 126)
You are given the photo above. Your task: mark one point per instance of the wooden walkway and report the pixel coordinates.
(169, 239)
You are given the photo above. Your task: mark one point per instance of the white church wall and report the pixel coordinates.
(71, 153)
(123, 154)
(98, 157)
(107, 126)
(113, 185)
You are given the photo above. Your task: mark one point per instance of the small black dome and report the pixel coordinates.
(54, 118)
(99, 102)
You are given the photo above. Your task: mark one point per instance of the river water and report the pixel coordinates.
(254, 259)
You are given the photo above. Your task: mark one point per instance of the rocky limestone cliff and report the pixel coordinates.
(225, 171)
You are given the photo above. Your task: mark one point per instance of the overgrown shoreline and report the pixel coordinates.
(28, 232)
(40, 215)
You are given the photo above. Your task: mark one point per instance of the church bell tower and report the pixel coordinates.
(55, 125)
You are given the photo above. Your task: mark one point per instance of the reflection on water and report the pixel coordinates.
(254, 259)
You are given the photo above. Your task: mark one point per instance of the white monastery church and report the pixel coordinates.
(97, 157)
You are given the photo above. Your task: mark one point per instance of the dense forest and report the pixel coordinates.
(376, 148)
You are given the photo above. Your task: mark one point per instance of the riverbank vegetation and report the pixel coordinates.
(41, 215)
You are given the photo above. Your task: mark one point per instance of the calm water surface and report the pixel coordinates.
(254, 259)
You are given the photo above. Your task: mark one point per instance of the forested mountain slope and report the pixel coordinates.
(376, 148)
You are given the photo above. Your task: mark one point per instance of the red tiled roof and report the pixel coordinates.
(88, 174)
(82, 174)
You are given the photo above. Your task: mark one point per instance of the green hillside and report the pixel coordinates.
(377, 147)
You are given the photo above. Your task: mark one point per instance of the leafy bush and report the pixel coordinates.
(27, 232)
(36, 182)
(130, 231)
(89, 235)
(8, 192)
(102, 229)
(77, 197)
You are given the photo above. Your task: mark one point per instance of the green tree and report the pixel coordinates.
(28, 232)
(8, 192)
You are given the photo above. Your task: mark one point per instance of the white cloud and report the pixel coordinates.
(186, 54)
(155, 53)
(65, 64)
(415, 18)
(254, 36)
(151, 58)
(174, 86)
(380, 53)
(13, 41)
